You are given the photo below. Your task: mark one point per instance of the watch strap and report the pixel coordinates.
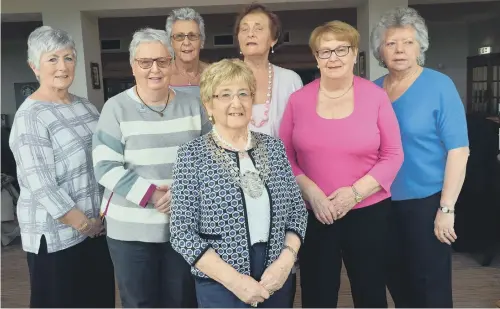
(447, 210)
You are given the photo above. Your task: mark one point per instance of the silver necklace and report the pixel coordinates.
(249, 181)
(189, 78)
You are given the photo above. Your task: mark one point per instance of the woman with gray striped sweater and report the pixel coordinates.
(134, 149)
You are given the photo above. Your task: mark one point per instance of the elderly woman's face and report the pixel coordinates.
(400, 48)
(254, 35)
(151, 67)
(186, 40)
(232, 106)
(335, 58)
(57, 68)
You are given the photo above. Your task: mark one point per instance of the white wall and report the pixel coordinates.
(15, 69)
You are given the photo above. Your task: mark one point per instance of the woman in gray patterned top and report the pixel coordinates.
(58, 206)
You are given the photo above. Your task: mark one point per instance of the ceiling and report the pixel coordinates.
(235, 8)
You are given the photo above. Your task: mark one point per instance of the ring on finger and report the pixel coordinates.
(254, 304)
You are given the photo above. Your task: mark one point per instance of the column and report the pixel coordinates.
(84, 29)
(369, 13)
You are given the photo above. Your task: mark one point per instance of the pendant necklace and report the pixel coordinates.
(158, 112)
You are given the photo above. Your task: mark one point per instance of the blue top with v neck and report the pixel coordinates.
(432, 121)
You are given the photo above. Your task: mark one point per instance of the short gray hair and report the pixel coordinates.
(147, 35)
(46, 39)
(395, 18)
(186, 14)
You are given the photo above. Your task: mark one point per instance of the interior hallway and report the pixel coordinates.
(474, 286)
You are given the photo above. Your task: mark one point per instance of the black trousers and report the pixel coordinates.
(212, 294)
(359, 239)
(81, 276)
(420, 268)
(152, 275)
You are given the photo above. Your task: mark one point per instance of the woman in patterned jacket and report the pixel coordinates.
(237, 213)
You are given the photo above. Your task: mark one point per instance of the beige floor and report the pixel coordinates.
(474, 286)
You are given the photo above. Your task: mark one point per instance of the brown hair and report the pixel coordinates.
(339, 30)
(275, 23)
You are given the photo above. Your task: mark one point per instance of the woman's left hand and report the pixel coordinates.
(343, 201)
(277, 273)
(444, 227)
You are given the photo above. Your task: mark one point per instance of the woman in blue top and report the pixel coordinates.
(435, 142)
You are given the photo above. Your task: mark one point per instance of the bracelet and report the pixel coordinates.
(85, 227)
(357, 196)
(287, 247)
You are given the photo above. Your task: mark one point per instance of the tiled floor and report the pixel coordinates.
(474, 286)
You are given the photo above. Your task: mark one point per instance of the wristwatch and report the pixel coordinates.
(446, 210)
(358, 197)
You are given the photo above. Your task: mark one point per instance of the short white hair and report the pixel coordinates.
(147, 35)
(47, 39)
(185, 14)
(397, 18)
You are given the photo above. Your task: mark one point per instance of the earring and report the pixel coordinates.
(211, 119)
(272, 49)
(241, 52)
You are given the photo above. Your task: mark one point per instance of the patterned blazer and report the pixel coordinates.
(208, 208)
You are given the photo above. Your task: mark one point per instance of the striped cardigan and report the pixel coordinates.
(134, 150)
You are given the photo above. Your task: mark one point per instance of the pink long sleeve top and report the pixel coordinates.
(335, 153)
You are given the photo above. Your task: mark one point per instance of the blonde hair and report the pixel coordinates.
(223, 71)
(337, 29)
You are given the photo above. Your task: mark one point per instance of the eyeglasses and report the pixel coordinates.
(340, 51)
(243, 96)
(179, 37)
(147, 63)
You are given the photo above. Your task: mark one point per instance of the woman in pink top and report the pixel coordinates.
(343, 141)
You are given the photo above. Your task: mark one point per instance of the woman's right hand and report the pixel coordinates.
(248, 290)
(162, 198)
(322, 207)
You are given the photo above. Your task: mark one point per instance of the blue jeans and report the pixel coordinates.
(212, 294)
(152, 275)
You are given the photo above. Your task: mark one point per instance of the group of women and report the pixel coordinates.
(209, 184)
